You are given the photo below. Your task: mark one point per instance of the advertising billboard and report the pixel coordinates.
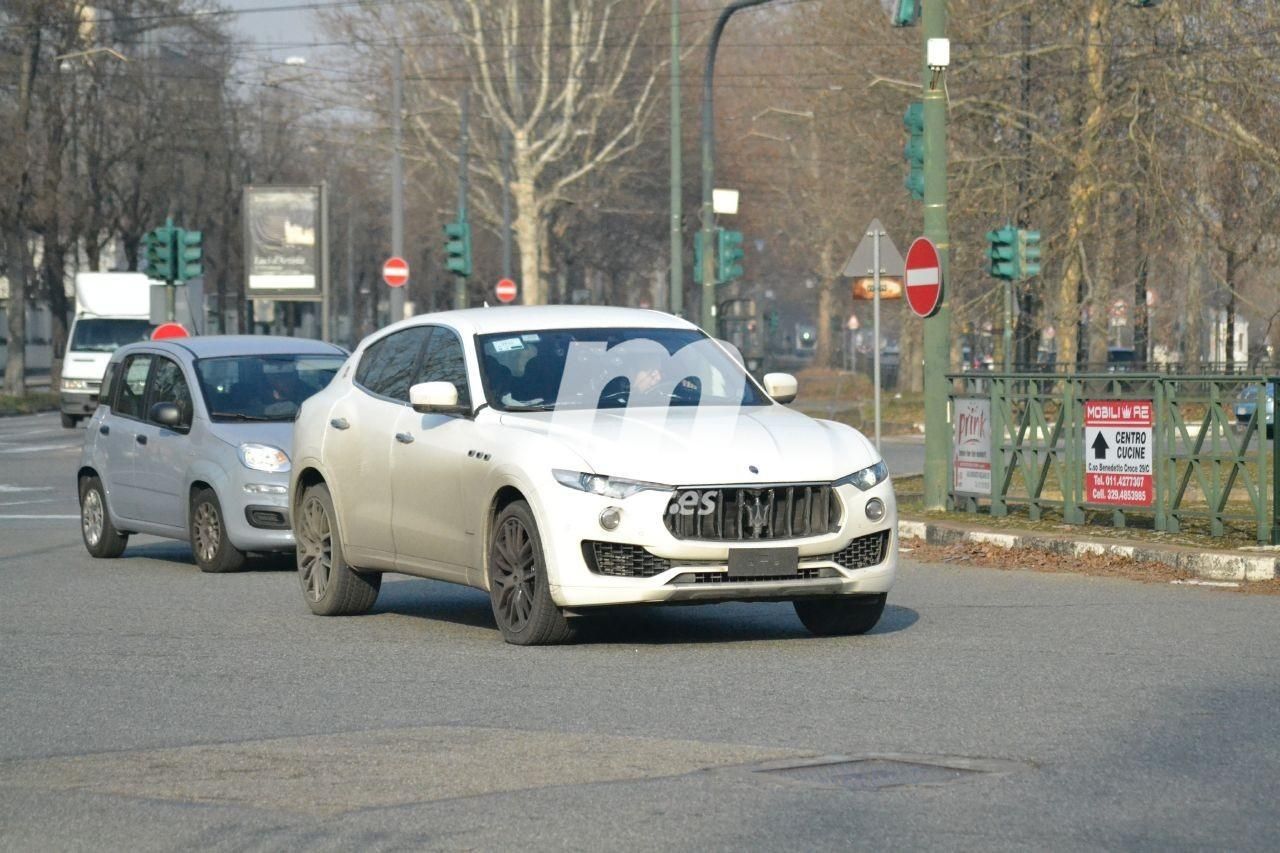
(282, 232)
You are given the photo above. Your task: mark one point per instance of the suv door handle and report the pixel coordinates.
(404, 438)
(104, 429)
(141, 439)
(339, 423)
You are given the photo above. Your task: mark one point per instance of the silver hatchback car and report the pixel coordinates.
(192, 439)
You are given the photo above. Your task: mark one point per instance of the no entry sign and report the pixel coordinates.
(924, 277)
(1119, 456)
(395, 272)
(170, 330)
(505, 290)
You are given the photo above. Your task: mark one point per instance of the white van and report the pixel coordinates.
(112, 309)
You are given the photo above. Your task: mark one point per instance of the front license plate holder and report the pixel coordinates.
(764, 562)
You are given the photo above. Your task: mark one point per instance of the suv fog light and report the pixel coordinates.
(610, 517)
(875, 509)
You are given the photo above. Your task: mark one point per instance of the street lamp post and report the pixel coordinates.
(708, 219)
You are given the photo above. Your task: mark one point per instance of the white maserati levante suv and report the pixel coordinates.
(571, 458)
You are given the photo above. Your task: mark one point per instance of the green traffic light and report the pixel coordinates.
(906, 13)
(913, 151)
(1028, 252)
(728, 255)
(189, 255)
(1003, 253)
(458, 247)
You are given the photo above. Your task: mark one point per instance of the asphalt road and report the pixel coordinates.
(145, 706)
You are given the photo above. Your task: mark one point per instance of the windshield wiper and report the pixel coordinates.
(241, 416)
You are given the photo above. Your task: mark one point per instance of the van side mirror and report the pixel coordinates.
(782, 387)
(436, 398)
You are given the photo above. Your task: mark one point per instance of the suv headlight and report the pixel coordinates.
(867, 478)
(264, 457)
(609, 487)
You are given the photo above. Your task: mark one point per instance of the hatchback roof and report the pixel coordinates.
(214, 346)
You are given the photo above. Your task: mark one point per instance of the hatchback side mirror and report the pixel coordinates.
(782, 387)
(167, 414)
(436, 398)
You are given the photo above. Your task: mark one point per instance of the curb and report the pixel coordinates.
(1207, 564)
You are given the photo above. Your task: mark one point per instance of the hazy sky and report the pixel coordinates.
(299, 26)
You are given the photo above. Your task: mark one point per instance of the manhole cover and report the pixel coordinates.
(868, 773)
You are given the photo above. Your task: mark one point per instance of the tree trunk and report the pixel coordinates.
(1231, 311)
(54, 274)
(527, 228)
(15, 370)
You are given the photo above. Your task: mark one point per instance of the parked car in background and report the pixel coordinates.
(1247, 404)
(571, 458)
(112, 309)
(191, 440)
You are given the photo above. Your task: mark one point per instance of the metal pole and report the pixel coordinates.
(460, 282)
(506, 205)
(397, 177)
(1008, 325)
(676, 297)
(937, 329)
(350, 337)
(326, 297)
(875, 322)
(708, 313)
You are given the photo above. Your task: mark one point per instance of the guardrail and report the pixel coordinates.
(1185, 462)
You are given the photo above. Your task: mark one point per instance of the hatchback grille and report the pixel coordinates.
(750, 514)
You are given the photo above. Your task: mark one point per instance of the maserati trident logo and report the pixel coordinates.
(757, 507)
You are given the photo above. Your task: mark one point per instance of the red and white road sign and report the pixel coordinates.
(1119, 456)
(395, 272)
(924, 277)
(505, 290)
(170, 330)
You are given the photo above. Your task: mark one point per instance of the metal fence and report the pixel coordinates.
(1212, 472)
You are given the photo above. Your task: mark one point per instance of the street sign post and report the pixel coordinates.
(875, 256)
(395, 272)
(924, 277)
(505, 291)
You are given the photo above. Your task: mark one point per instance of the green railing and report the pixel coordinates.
(1211, 473)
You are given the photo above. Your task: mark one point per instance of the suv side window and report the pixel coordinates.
(446, 363)
(133, 386)
(169, 385)
(387, 366)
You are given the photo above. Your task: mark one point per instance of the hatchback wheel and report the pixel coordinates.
(101, 538)
(832, 617)
(329, 583)
(210, 546)
(518, 588)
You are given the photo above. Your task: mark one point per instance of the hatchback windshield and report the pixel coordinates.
(546, 370)
(262, 387)
(108, 334)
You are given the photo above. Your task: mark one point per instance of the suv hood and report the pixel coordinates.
(707, 445)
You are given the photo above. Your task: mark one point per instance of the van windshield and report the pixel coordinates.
(108, 334)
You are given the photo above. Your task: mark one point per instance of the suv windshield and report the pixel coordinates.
(557, 369)
(107, 334)
(262, 387)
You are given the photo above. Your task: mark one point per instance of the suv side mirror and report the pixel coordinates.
(436, 398)
(782, 387)
(167, 414)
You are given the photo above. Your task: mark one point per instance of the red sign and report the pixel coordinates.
(1119, 456)
(924, 277)
(395, 272)
(170, 330)
(506, 290)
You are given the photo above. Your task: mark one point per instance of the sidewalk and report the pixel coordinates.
(1254, 563)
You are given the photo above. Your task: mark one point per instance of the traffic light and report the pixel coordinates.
(458, 247)
(906, 13)
(160, 253)
(697, 257)
(1004, 252)
(1028, 253)
(190, 252)
(728, 255)
(913, 151)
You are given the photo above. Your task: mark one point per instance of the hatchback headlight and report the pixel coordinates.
(867, 478)
(264, 457)
(609, 487)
